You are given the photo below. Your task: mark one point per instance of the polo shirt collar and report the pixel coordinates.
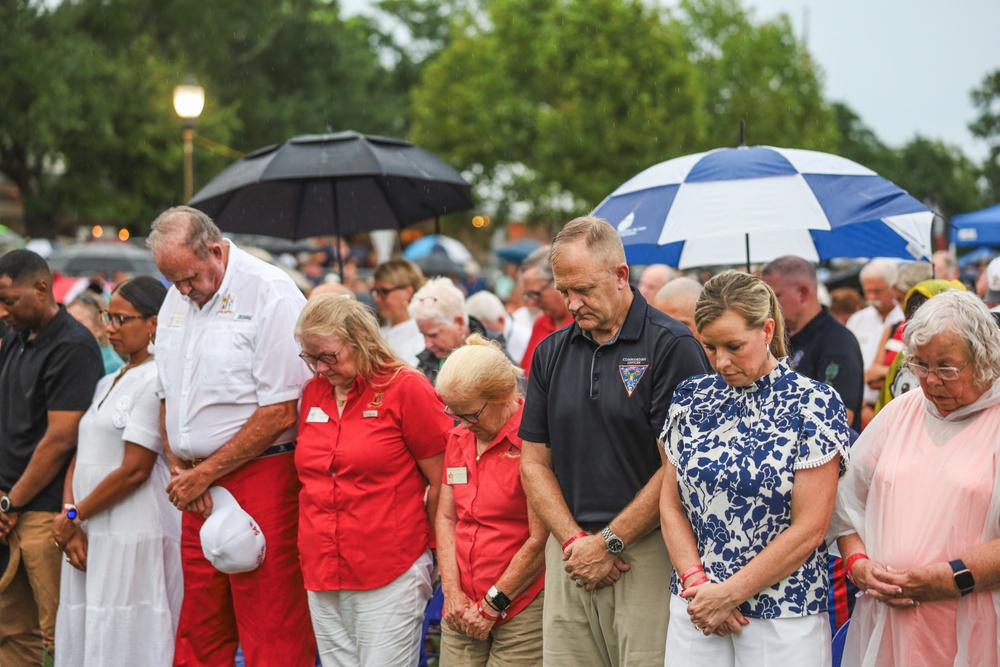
(49, 333)
(235, 259)
(631, 328)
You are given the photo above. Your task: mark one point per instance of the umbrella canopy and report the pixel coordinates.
(977, 228)
(754, 204)
(440, 265)
(343, 183)
(518, 251)
(977, 256)
(438, 244)
(88, 259)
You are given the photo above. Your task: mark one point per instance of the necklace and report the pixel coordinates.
(341, 403)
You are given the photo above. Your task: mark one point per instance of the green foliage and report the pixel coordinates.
(986, 98)
(580, 93)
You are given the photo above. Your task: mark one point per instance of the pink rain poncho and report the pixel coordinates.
(923, 489)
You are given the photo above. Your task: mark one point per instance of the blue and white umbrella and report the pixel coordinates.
(438, 244)
(755, 204)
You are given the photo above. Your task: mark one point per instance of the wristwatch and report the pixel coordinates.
(6, 506)
(499, 601)
(614, 543)
(963, 578)
(72, 513)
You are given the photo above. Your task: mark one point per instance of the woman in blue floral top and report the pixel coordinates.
(754, 456)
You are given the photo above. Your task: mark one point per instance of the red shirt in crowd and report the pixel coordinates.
(540, 331)
(491, 510)
(362, 517)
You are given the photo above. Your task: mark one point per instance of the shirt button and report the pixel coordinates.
(595, 380)
(600, 353)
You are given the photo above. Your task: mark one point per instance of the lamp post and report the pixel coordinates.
(189, 100)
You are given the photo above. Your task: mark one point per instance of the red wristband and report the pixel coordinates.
(703, 580)
(850, 564)
(573, 539)
(696, 568)
(482, 612)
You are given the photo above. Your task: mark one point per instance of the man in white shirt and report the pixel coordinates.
(868, 324)
(396, 281)
(229, 384)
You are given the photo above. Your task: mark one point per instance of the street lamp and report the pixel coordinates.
(189, 100)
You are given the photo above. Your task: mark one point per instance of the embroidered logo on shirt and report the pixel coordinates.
(376, 401)
(513, 452)
(631, 375)
(227, 305)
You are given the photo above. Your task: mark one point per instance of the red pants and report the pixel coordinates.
(266, 610)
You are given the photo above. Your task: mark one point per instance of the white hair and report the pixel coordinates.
(440, 301)
(880, 268)
(965, 315)
(486, 306)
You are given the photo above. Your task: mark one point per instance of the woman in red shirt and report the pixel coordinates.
(372, 433)
(491, 546)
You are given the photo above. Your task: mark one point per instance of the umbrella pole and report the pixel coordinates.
(437, 224)
(746, 238)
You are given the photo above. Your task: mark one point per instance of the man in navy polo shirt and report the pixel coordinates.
(49, 367)
(597, 398)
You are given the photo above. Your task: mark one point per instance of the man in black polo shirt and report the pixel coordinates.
(49, 367)
(597, 398)
(821, 347)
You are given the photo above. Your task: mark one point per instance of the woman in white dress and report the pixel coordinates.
(121, 586)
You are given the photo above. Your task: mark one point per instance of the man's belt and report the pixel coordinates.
(273, 450)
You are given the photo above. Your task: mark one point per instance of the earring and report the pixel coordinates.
(151, 347)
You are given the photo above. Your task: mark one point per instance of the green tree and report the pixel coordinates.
(939, 175)
(757, 72)
(986, 98)
(559, 101)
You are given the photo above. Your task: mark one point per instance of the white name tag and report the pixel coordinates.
(317, 415)
(457, 475)
(176, 320)
(369, 413)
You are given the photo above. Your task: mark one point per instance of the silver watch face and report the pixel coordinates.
(615, 545)
(5, 504)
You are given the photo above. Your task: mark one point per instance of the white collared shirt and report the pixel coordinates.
(219, 363)
(868, 325)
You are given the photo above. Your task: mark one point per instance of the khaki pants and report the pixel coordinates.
(623, 625)
(28, 606)
(516, 643)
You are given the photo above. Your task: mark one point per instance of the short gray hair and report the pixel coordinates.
(201, 232)
(485, 306)
(880, 268)
(539, 261)
(440, 301)
(965, 315)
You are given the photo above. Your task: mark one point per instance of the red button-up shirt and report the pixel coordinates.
(491, 511)
(362, 517)
(543, 327)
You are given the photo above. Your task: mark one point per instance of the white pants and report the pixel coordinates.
(374, 628)
(802, 641)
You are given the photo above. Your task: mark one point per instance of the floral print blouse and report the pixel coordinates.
(736, 450)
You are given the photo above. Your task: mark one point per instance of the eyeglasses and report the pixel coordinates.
(382, 292)
(116, 321)
(534, 296)
(327, 360)
(944, 373)
(471, 418)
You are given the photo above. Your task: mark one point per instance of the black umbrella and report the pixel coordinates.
(87, 259)
(437, 264)
(333, 184)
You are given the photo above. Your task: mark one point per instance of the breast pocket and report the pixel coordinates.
(228, 356)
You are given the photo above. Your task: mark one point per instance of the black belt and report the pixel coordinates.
(273, 450)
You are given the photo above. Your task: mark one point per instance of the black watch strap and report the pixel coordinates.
(7, 506)
(963, 578)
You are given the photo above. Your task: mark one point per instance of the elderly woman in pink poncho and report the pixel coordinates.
(918, 512)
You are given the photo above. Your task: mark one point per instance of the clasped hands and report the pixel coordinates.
(590, 565)
(462, 615)
(188, 489)
(69, 537)
(712, 610)
(904, 588)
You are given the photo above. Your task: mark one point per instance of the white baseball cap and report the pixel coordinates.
(230, 539)
(993, 281)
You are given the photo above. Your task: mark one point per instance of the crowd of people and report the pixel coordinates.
(674, 470)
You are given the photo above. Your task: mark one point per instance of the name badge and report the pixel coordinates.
(176, 320)
(369, 413)
(457, 475)
(316, 415)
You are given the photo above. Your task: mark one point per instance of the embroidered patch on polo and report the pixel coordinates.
(631, 374)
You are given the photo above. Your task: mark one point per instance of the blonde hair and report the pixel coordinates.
(400, 272)
(333, 316)
(601, 239)
(747, 295)
(478, 369)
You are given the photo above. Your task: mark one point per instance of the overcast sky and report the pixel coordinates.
(905, 66)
